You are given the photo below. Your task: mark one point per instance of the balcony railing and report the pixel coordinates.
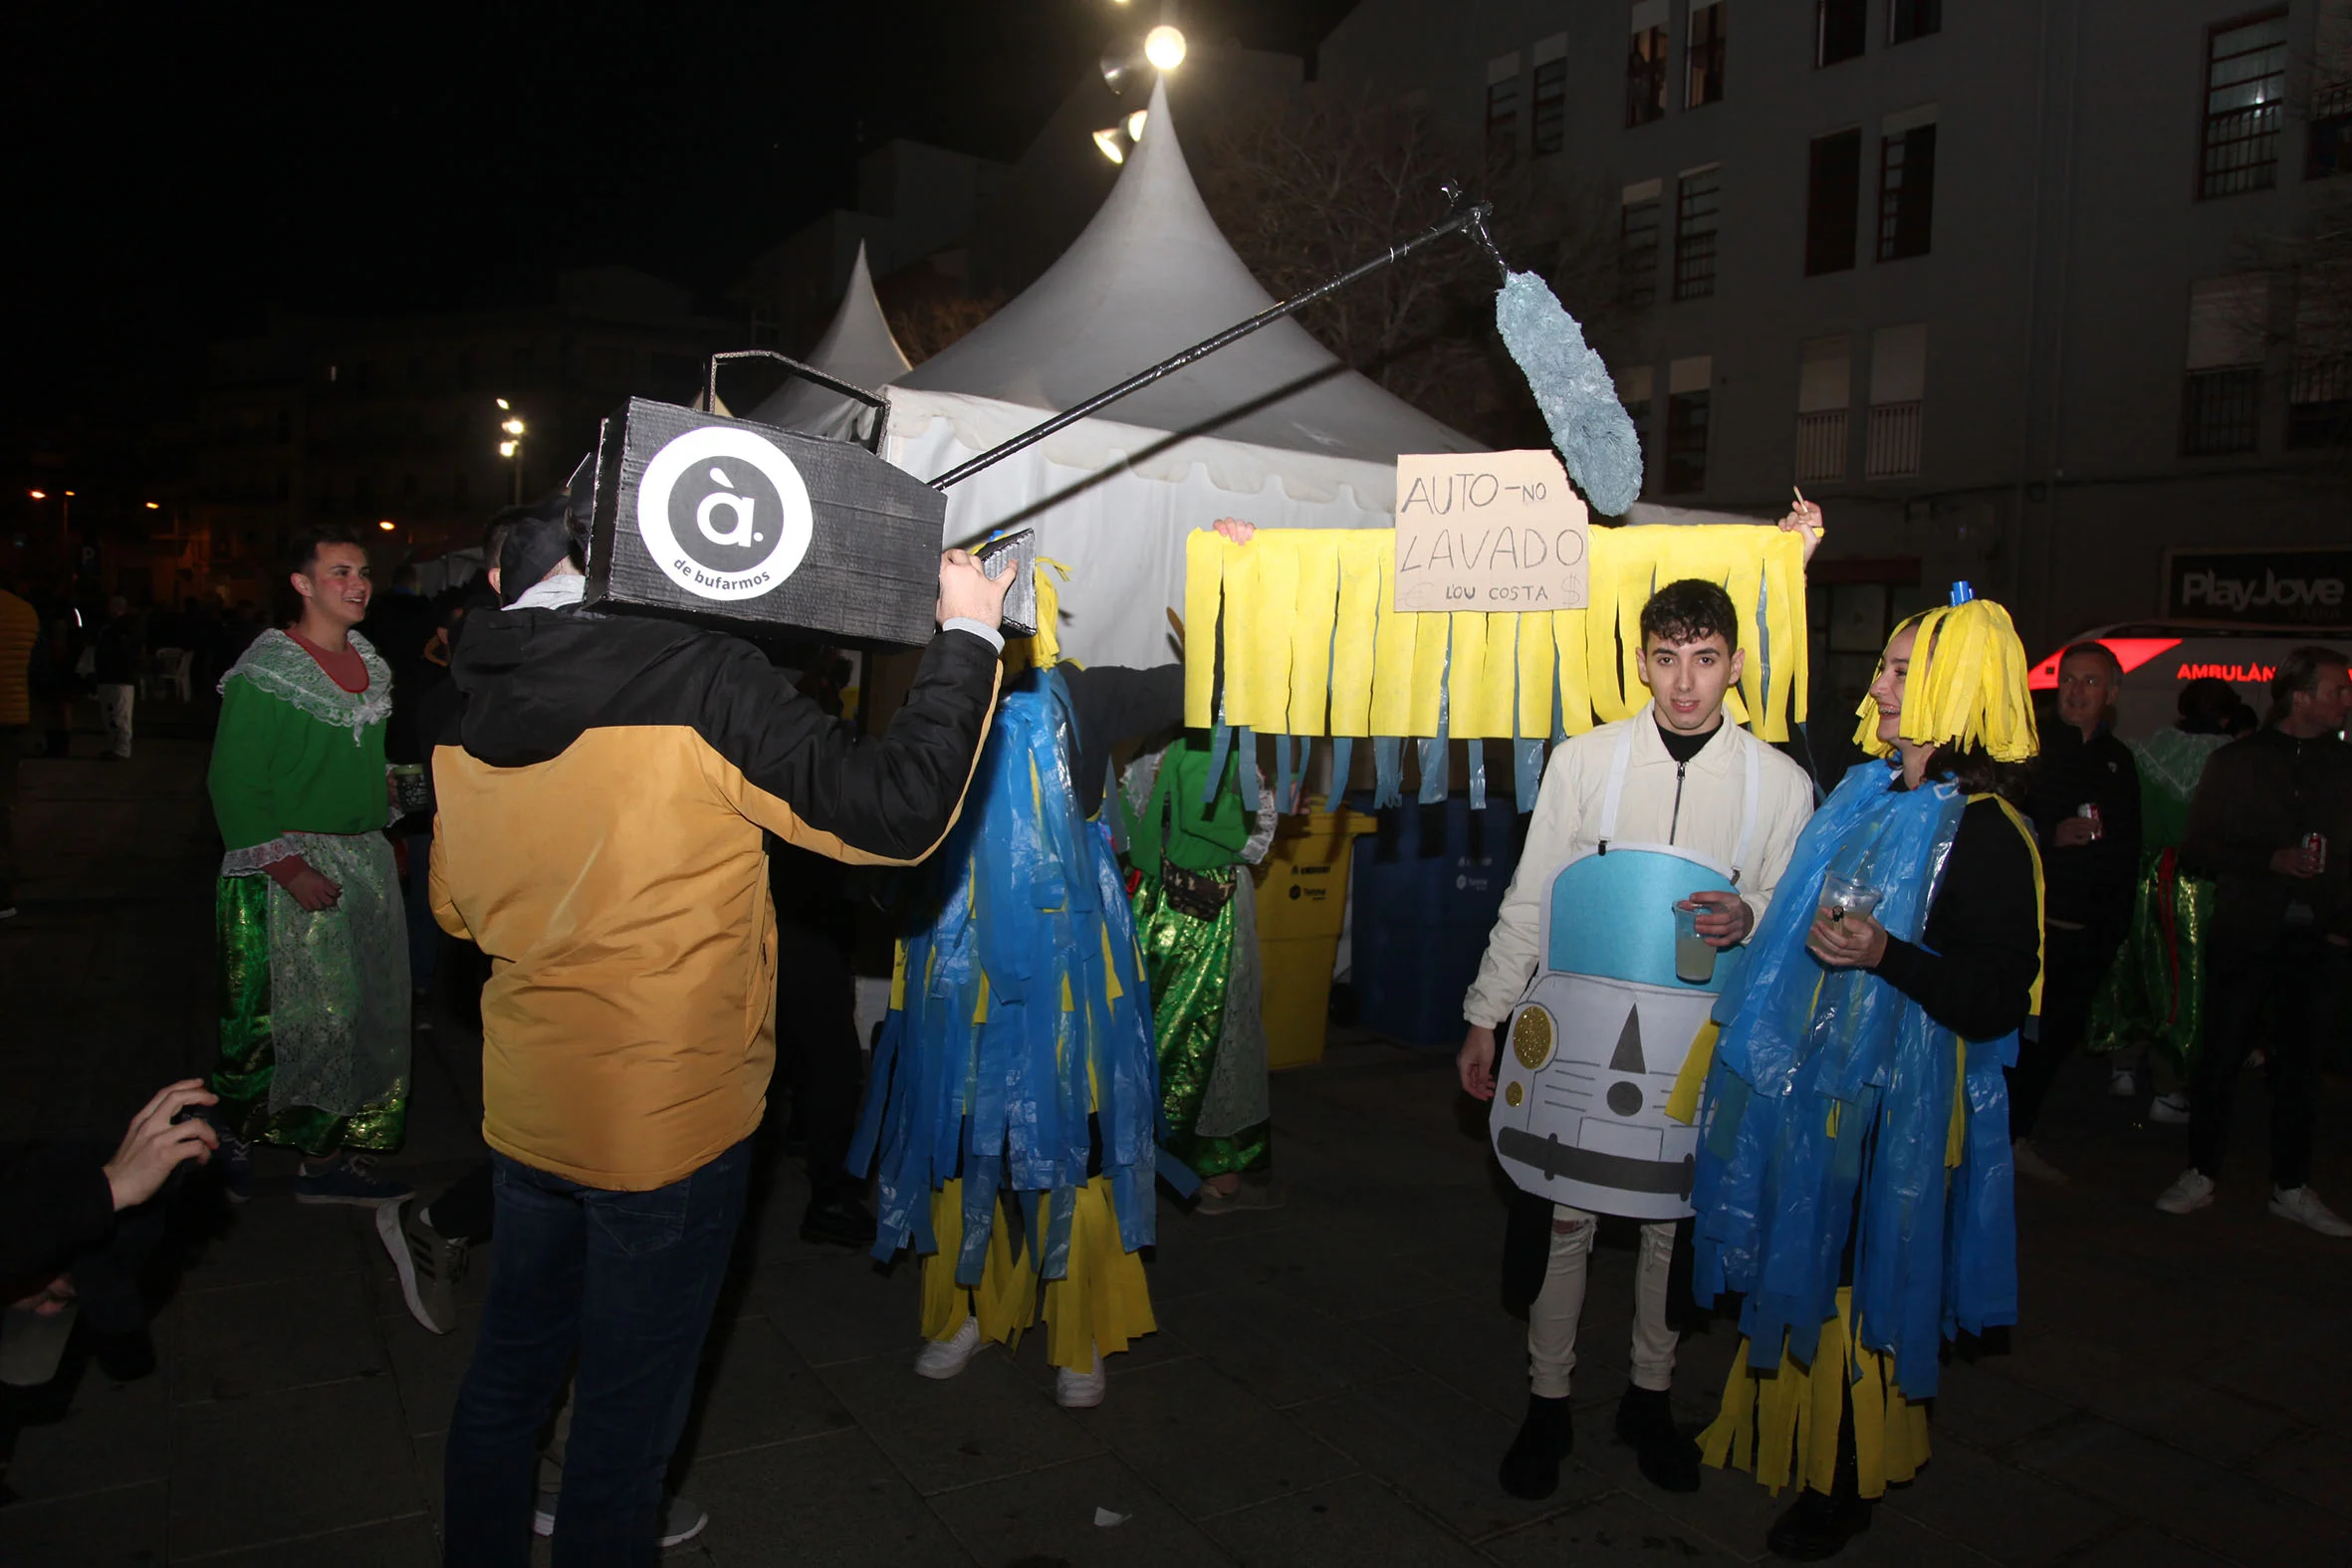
(1821, 445)
(1893, 449)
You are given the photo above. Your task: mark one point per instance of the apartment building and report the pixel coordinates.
(2006, 285)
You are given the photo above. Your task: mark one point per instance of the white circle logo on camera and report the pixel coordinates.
(724, 513)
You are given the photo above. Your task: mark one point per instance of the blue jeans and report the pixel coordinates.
(628, 1283)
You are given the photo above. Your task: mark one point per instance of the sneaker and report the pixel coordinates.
(2033, 1167)
(1081, 1390)
(681, 1520)
(2302, 1206)
(2194, 1191)
(2122, 1085)
(234, 1160)
(352, 1178)
(944, 1358)
(429, 1264)
(2171, 1110)
(839, 1219)
(1669, 1460)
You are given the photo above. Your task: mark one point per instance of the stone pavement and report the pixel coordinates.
(1333, 1382)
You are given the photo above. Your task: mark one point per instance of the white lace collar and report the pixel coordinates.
(284, 668)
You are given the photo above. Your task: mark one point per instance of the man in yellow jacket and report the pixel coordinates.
(599, 835)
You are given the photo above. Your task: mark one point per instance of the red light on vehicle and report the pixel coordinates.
(2130, 652)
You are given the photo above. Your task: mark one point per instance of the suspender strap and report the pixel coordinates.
(1750, 745)
(1616, 790)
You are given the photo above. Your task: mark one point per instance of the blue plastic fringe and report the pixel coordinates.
(1388, 771)
(1342, 765)
(1022, 896)
(1777, 1193)
(1595, 436)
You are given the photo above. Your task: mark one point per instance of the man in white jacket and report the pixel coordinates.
(1683, 779)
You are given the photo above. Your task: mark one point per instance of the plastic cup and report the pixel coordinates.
(1694, 960)
(1842, 896)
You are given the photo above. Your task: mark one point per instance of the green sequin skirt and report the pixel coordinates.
(2154, 994)
(340, 978)
(1189, 963)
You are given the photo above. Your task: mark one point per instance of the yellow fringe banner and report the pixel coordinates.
(1313, 645)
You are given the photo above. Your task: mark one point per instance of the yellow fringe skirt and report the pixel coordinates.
(1783, 1428)
(1103, 1304)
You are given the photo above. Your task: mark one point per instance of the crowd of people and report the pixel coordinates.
(659, 834)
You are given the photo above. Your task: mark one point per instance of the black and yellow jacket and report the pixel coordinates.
(599, 835)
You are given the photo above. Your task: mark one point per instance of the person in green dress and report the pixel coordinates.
(313, 941)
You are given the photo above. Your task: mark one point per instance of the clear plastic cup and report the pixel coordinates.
(1842, 896)
(1694, 960)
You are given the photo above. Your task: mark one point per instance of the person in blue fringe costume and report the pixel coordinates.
(1853, 1178)
(1013, 1104)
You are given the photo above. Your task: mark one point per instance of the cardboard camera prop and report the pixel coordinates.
(729, 521)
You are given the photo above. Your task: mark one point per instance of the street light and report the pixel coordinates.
(512, 447)
(1163, 46)
(386, 523)
(154, 505)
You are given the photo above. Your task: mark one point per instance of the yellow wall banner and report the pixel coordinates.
(1313, 642)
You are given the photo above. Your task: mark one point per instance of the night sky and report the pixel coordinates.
(183, 168)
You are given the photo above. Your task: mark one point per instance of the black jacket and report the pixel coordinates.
(2258, 795)
(2089, 885)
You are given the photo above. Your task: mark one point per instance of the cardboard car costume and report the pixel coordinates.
(1593, 1049)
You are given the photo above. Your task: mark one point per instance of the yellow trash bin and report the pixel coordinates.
(1301, 904)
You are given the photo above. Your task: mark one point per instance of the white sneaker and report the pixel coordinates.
(2121, 1084)
(2302, 1206)
(1084, 1390)
(681, 1520)
(2033, 1166)
(944, 1358)
(2194, 1191)
(2170, 1109)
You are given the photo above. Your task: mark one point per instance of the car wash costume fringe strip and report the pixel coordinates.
(1015, 1084)
(1310, 643)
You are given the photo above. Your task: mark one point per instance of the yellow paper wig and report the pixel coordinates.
(1966, 687)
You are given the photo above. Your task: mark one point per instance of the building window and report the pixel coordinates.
(1898, 388)
(1910, 19)
(1824, 403)
(1645, 64)
(1703, 51)
(1637, 244)
(2319, 389)
(2245, 89)
(2221, 396)
(2328, 150)
(1696, 200)
(1839, 28)
(1687, 386)
(1502, 109)
(1833, 202)
(1547, 122)
(1906, 185)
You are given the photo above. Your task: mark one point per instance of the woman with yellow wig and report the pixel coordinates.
(1853, 1177)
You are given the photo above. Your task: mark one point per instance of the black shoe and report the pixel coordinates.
(1818, 1526)
(1532, 1468)
(1669, 1460)
(125, 1358)
(839, 1219)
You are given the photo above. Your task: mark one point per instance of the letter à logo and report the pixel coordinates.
(724, 513)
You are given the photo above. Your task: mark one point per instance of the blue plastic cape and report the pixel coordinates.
(1007, 1026)
(1828, 1113)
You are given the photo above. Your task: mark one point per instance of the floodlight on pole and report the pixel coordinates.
(513, 427)
(1136, 124)
(1110, 144)
(1163, 46)
(38, 494)
(154, 505)
(386, 523)
(507, 448)
(503, 403)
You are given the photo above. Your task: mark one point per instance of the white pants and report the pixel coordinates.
(113, 711)
(1552, 1321)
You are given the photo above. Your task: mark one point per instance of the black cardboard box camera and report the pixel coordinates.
(735, 522)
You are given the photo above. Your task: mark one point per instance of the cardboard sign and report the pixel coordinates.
(752, 527)
(1489, 531)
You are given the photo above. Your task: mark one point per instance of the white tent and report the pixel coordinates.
(857, 347)
(1274, 430)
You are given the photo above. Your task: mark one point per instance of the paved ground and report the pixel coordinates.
(1333, 1382)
